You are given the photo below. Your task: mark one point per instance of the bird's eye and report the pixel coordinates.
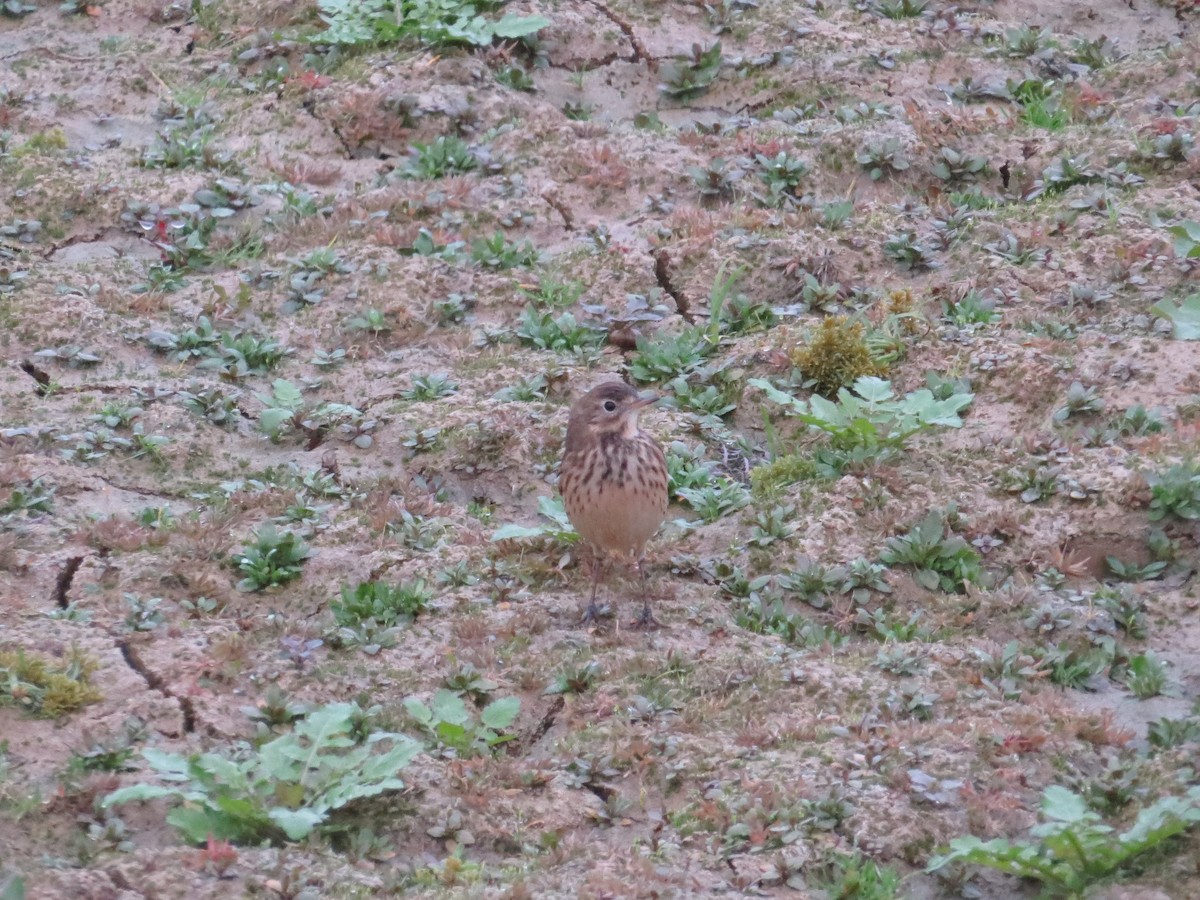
(610, 405)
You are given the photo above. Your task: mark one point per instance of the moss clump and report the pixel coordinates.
(46, 687)
(901, 305)
(768, 481)
(837, 355)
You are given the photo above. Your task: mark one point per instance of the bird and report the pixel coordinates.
(613, 481)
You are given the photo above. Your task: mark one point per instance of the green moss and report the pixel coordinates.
(837, 355)
(52, 140)
(47, 687)
(768, 481)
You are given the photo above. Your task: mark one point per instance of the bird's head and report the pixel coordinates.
(609, 408)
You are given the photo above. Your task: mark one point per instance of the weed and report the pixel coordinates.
(1074, 847)
(941, 560)
(429, 22)
(29, 497)
(496, 252)
(716, 181)
(1167, 733)
(143, 615)
(1080, 400)
(882, 158)
(717, 498)
(562, 333)
(1146, 675)
(446, 155)
(456, 729)
(385, 603)
(286, 790)
(1134, 572)
(836, 356)
(900, 9)
(869, 417)
(425, 388)
(371, 321)
(1175, 491)
(663, 358)
(273, 558)
(782, 174)
(46, 687)
(688, 77)
(907, 252)
(553, 293)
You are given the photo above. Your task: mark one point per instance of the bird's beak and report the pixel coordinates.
(645, 400)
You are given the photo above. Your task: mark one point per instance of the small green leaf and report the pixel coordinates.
(501, 713)
(1185, 317)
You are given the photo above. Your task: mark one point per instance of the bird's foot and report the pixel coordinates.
(595, 612)
(646, 620)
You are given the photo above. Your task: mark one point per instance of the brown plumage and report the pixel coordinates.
(613, 480)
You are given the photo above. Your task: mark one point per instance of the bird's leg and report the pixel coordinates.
(646, 619)
(594, 612)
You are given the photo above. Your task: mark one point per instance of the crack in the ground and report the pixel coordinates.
(662, 274)
(38, 375)
(62, 584)
(546, 723)
(640, 53)
(93, 238)
(156, 683)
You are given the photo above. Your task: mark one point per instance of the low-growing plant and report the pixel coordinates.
(387, 604)
(1146, 675)
(940, 560)
(425, 388)
(445, 155)
(1175, 491)
(557, 527)
(835, 356)
(882, 158)
(429, 22)
(561, 333)
(908, 252)
(687, 77)
(1080, 400)
(458, 730)
(719, 497)
(289, 788)
(47, 687)
(870, 416)
(29, 497)
(1074, 847)
(497, 252)
(273, 558)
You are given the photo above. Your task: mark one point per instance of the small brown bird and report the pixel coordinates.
(613, 481)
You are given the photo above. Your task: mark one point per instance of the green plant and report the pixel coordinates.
(941, 560)
(1074, 847)
(907, 252)
(1024, 41)
(688, 77)
(1187, 239)
(446, 155)
(1138, 421)
(496, 252)
(1080, 400)
(554, 293)
(288, 789)
(1175, 491)
(836, 356)
(1146, 675)
(715, 499)
(273, 558)
(516, 77)
(884, 157)
(369, 320)
(47, 687)
(971, 309)
(448, 721)
(663, 358)
(716, 180)
(782, 174)
(562, 333)
(954, 166)
(900, 9)
(1185, 317)
(1134, 572)
(557, 527)
(1167, 733)
(1041, 105)
(385, 603)
(869, 416)
(429, 22)
(426, 388)
(29, 497)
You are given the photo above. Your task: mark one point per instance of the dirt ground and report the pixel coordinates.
(167, 169)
